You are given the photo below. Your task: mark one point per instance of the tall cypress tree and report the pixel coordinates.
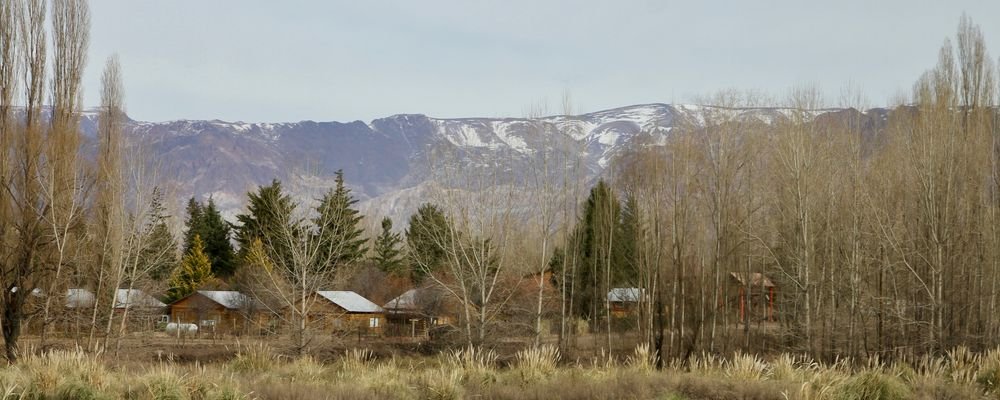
(597, 232)
(338, 223)
(387, 255)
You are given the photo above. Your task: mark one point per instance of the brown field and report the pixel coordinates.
(161, 367)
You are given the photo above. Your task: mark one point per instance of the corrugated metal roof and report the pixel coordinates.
(79, 298)
(350, 301)
(756, 279)
(136, 298)
(227, 298)
(625, 295)
(405, 301)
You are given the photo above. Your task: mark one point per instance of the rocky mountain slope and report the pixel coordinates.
(389, 162)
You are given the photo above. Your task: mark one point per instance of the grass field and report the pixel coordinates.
(258, 371)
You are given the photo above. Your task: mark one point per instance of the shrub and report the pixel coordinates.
(988, 378)
(873, 385)
(74, 389)
(748, 367)
(535, 363)
(254, 358)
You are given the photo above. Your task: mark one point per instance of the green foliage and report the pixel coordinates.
(338, 224)
(427, 239)
(387, 255)
(269, 219)
(988, 378)
(873, 385)
(194, 272)
(600, 240)
(206, 221)
(73, 389)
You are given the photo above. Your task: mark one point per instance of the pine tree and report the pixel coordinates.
(427, 239)
(268, 219)
(206, 221)
(194, 271)
(387, 255)
(193, 223)
(338, 224)
(216, 234)
(159, 252)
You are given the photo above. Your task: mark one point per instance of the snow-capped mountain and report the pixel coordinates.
(390, 161)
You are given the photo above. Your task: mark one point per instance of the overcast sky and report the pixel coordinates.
(350, 60)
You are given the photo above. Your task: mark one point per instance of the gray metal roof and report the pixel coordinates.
(405, 301)
(350, 301)
(227, 298)
(136, 298)
(79, 298)
(625, 295)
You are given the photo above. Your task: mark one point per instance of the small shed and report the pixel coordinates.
(144, 311)
(415, 311)
(346, 311)
(213, 310)
(761, 290)
(625, 301)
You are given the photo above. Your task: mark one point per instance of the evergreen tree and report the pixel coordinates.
(216, 235)
(387, 255)
(338, 224)
(206, 221)
(194, 271)
(596, 240)
(159, 252)
(627, 244)
(427, 239)
(268, 219)
(193, 223)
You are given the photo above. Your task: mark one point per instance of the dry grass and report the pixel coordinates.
(258, 372)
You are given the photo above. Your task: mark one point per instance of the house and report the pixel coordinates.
(415, 312)
(217, 311)
(345, 311)
(762, 292)
(79, 298)
(625, 301)
(144, 311)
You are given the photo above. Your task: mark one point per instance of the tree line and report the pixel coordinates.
(799, 228)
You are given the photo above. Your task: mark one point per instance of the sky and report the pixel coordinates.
(278, 61)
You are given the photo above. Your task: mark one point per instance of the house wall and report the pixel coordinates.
(196, 308)
(327, 316)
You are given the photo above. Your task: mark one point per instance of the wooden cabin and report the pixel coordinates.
(144, 311)
(624, 302)
(341, 311)
(762, 295)
(415, 312)
(220, 311)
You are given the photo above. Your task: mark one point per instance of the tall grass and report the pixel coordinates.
(258, 372)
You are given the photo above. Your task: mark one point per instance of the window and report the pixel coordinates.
(373, 322)
(164, 319)
(208, 322)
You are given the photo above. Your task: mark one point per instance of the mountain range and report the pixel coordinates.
(389, 162)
